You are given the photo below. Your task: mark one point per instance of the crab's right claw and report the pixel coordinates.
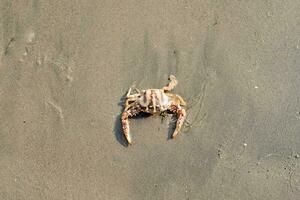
(181, 113)
(125, 126)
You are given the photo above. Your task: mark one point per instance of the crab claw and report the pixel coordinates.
(181, 114)
(173, 82)
(125, 125)
(128, 112)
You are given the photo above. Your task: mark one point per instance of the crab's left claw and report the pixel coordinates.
(172, 84)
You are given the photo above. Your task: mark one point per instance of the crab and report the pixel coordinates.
(154, 101)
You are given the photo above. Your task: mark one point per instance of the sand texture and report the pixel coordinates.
(66, 64)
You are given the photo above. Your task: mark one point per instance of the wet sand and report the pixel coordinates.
(65, 66)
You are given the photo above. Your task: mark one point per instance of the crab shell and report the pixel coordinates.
(154, 101)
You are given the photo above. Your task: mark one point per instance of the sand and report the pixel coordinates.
(65, 66)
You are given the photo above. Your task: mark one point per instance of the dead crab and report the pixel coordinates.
(154, 101)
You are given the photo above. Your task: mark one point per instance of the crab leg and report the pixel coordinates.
(181, 114)
(129, 91)
(129, 98)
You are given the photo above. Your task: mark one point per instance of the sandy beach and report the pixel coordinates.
(65, 67)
